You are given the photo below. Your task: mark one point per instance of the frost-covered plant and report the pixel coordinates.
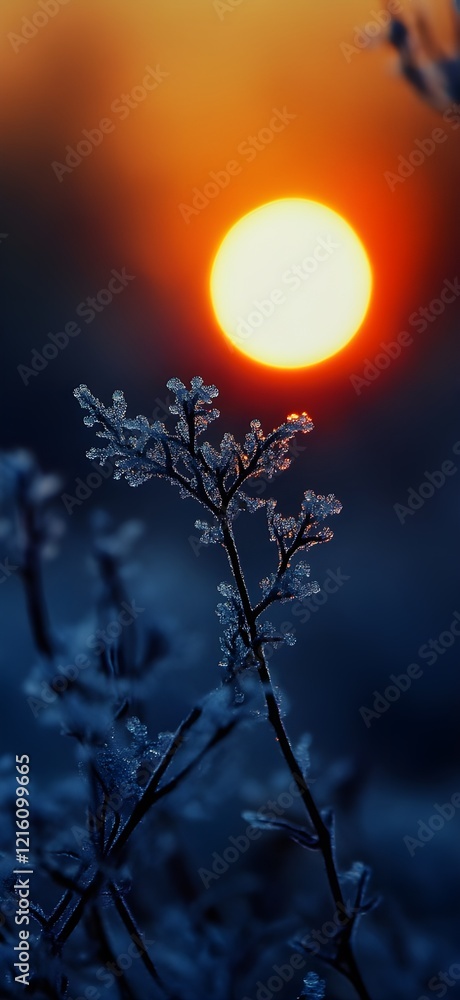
(313, 988)
(96, 692)
(31, 530)
(217, 477)
(431, 68)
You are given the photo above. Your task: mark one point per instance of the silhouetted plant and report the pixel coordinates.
(95, 681)
(216, 478)
(431, 68)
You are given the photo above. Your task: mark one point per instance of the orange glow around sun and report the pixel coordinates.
(347, 123)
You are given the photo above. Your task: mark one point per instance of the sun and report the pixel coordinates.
(290, 283)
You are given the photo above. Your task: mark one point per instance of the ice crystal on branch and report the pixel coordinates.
(292, 584)
(210, 533)
(216, 477)
(191, 408)
(141, 449)
(313, 987)
(292, 534)
(234, 641)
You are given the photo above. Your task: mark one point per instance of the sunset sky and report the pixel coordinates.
(220, 75)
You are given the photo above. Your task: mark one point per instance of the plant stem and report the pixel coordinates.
(323, 833)
(350, 968)
(217, 737)
(149, 795)
(69, 910)
(321, 829)
(78, 908)
(38, 615)
(134, 933)
(107, 955)
(32, 580)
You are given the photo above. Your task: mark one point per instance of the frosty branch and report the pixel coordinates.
(216, 477)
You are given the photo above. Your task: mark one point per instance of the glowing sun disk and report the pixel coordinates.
(291, 283)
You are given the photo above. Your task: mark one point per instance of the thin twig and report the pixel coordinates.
(75, 908)
(219, 735)
(351, 969)
(149, 794)
(108, 956)
(36, 607)
(134, 932)
(31, 576)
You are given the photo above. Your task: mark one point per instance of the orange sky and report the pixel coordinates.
(226, 74)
